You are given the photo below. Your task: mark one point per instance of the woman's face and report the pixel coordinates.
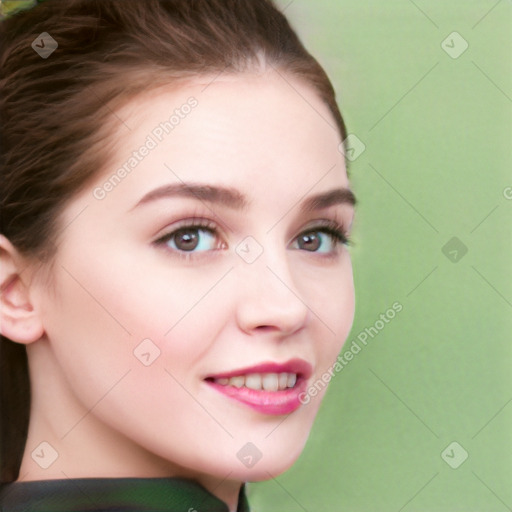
(188, 322)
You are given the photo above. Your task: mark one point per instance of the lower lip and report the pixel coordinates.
(274, 403)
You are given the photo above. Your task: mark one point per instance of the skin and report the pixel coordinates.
(106, 413)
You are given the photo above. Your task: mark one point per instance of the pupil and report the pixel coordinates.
(312, 241)
(186, 240)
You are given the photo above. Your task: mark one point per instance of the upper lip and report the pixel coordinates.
(298, 366)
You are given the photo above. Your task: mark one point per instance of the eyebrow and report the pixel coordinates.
(329, 198)
(234, 199)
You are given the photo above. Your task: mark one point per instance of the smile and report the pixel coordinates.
(261, 381)
(269, 388)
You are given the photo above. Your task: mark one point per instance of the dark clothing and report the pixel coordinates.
(112, 495)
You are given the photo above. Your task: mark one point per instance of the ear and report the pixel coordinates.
(19, 321)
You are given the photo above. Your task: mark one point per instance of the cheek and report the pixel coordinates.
(90, 341)
(333, 302)
(107, 320)
(345, 311)
(110, 348)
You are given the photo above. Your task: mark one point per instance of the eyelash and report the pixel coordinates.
(332, 228)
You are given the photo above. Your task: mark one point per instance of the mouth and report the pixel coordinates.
(269, 388)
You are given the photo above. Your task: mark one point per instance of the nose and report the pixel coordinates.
(268, 298)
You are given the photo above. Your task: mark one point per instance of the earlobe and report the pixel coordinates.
(19, 321)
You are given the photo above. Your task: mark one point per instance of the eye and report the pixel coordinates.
(191, 238)
(196, 236)
(323, 239)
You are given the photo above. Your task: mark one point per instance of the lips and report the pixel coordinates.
(269, 388)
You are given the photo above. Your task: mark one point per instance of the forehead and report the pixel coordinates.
(268, 107)
(262, 133)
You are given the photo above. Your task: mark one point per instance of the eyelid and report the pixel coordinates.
(332, 227)
(189, 222)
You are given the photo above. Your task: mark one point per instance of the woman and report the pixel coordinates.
(174, 275)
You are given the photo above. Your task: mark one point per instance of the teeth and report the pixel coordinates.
(270, 382)
(253, 381)
(259, 382)
(238, 382)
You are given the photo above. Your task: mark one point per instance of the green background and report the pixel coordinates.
(437, 165)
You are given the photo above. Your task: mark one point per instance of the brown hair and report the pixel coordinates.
(57, 112)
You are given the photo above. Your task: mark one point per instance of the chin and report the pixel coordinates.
(267, 471)
(268, 462)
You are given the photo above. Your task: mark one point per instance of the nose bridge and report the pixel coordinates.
(270, 267)
(269, 296)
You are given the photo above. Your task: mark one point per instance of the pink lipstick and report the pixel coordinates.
(269, 388)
